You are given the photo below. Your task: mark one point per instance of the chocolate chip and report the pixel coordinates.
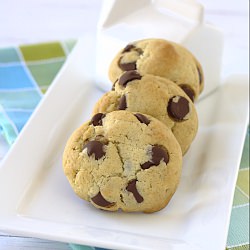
(96, 148)
(158, 154)
(131, 187)
(127, 66)
(129, 76)
(147, 165)
(100, 201)
(139, 51)
(97, 119)
(113, 86)
(128, 48)
(188, 91)
(142, 118)
(122, 103)
(200, 75)
(178, 108)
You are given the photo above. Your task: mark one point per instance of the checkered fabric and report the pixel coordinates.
(27, 71)
(238, 235)
(25, 74)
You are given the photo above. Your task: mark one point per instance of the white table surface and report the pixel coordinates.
(27, 21)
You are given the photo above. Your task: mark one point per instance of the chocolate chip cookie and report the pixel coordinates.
(161, 58)
(123, 160)
(155, 96)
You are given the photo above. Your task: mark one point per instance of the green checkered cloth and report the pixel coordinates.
(238, 235)
(26, 72)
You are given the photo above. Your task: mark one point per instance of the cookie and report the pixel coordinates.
(161, 58)
(155, 96)
(123, 160)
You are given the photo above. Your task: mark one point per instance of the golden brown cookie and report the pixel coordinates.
(155, 96)
(161, 58)
(123, 160)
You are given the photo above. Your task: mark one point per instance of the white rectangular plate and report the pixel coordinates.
(36, 199)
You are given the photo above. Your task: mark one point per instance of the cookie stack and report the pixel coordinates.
(128, 156)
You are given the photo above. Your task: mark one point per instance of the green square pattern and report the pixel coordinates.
(239, 197)
(42, 51)
(239, 226)
(8, 55)
(70, 44)
(44, 89)
(243, 181)
(44, 73)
